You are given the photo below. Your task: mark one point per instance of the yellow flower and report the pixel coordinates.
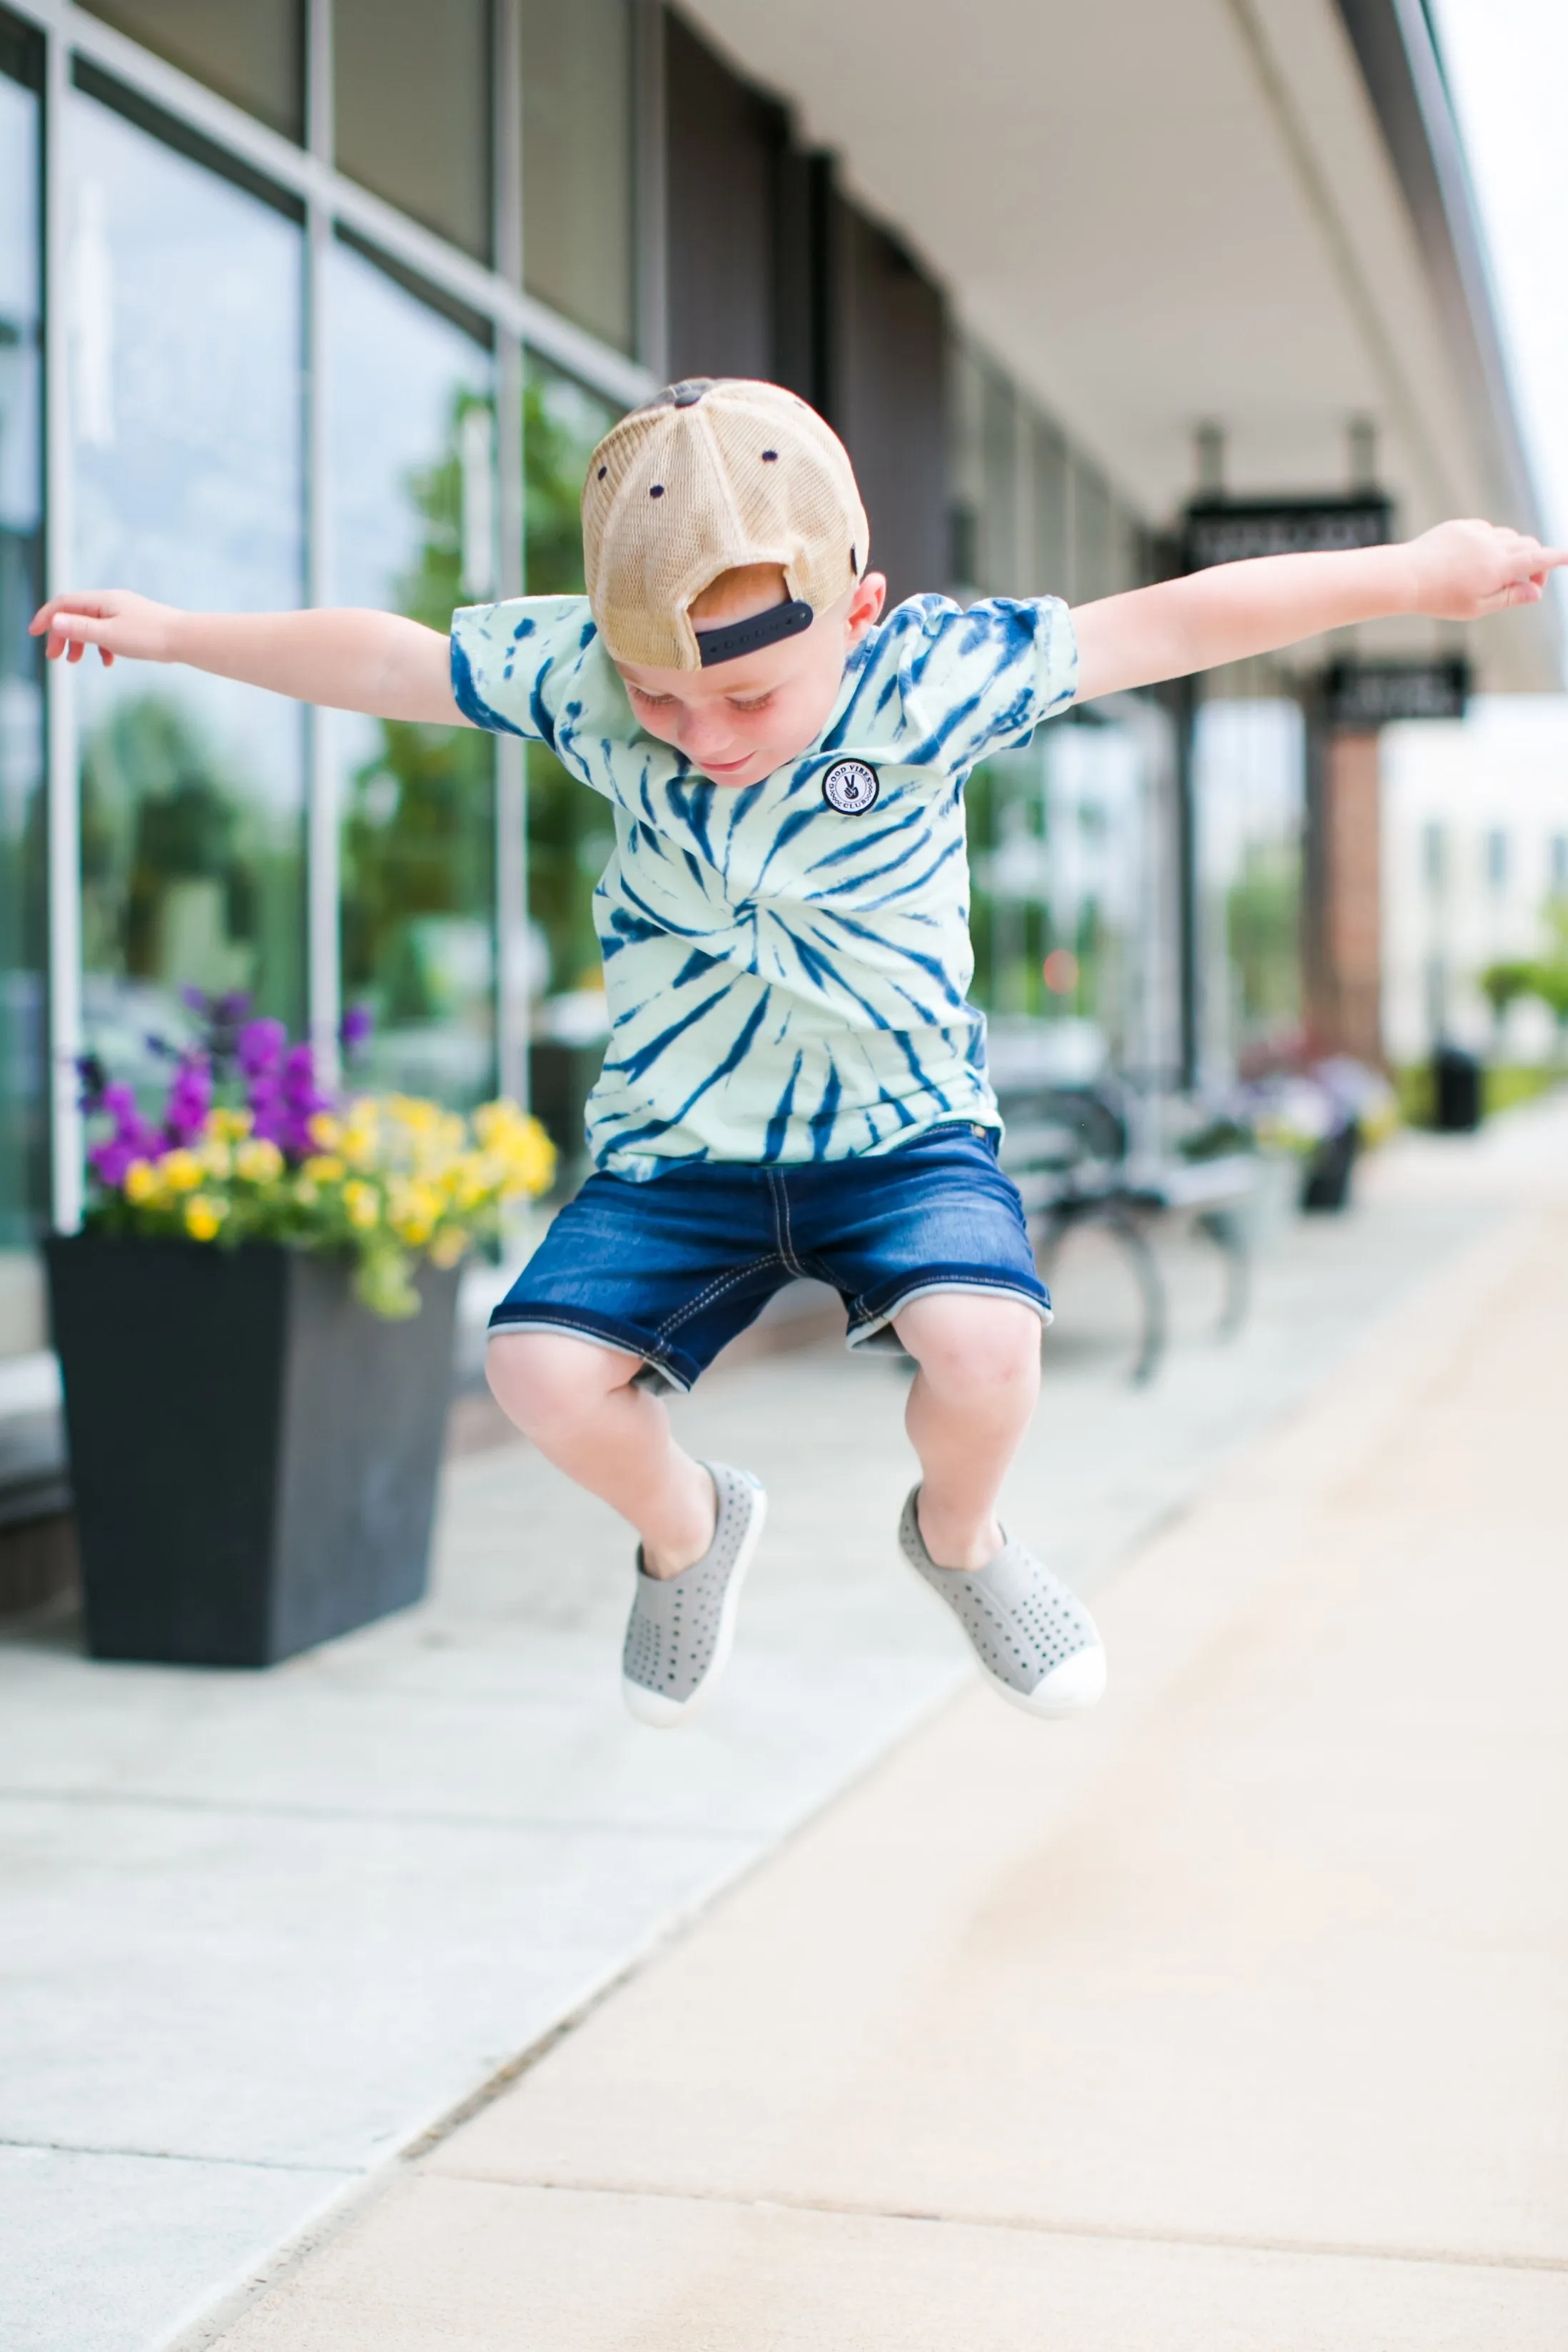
(448, 1246)
(260, 1163)
(322, 1168)
(325, 1130)
(182, 1170)
(216, 1159)
(204, 1215)
(412, 1112)
(363, 1204)
(142, 1181)
(227, 1126)
(306, 1192)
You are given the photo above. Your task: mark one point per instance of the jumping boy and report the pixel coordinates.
(795, 1082)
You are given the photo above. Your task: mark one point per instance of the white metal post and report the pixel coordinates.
(323, 855)
(62, 786)
(512, 1008)
(651, 244)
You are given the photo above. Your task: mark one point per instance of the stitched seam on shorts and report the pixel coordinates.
(716, 1290)
(998, 1286)
(786, 1239)
(547, 1318)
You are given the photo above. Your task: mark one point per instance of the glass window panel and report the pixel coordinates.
(1248, 766)
(1093, 548)
(184, 299)
(1000, 516)
(1052, 555)
(576, 161)
(570, 829)
(22, 1089)
(965, 410)
(251, 51)
(412, 90)
(413, 531)
(1096, 828)
(1066, 910)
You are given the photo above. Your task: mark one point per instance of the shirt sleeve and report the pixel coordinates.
(980, 681)
(513, 665)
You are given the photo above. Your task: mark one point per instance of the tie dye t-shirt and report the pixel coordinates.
(787, 964)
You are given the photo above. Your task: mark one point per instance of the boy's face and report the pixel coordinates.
(741, 720)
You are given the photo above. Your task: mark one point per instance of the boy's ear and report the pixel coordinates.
(866, 603)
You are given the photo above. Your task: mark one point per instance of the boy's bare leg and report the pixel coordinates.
(577, 1404)
(972, 1400)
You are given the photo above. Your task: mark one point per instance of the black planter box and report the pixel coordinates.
(253, 1453)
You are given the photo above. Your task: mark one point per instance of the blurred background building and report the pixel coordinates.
(326, 301)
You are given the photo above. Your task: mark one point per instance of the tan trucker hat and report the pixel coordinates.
(715, 473)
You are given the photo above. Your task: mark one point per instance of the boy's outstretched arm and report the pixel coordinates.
(1457, 573)
(374, 662)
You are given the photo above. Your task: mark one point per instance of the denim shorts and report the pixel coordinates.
(671, 1269)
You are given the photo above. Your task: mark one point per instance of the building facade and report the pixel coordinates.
(338, 301)
(1476, 874)
(328, 301)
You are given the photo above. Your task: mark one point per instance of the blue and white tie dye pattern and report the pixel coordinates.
(787, 981)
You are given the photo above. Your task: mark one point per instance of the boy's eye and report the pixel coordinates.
(658, 702)
(757, 702)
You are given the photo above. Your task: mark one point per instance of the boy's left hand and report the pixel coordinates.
(1463, 569)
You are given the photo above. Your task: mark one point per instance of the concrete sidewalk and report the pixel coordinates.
(260, 1934)
(1231, 2016)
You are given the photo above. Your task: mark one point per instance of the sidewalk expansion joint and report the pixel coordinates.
(179, 2156)
(1110, 2232)
(251, 1808)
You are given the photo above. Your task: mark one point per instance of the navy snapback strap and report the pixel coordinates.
(750, 636)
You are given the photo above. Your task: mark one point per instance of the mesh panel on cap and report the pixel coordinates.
(720, 504)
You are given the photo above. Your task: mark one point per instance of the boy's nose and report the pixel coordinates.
(707, 731)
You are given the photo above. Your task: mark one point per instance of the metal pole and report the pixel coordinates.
(323, 848)
(64, 1018)
(1189, 912)
(651, 201)
(513, 1010)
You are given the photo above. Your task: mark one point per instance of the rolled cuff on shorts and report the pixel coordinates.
(664, 1368)
(877, 1329)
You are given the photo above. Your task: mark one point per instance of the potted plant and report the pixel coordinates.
(255, 1329)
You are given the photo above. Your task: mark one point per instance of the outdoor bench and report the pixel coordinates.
(1072, 1154)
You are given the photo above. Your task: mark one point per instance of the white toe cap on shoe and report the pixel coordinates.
(1077, 1683)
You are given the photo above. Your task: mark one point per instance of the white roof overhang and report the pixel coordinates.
(1161, 213)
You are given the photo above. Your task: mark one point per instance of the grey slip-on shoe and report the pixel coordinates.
(679, 1633)
(1035, 1641)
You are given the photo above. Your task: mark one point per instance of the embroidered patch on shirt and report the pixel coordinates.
(850, 787)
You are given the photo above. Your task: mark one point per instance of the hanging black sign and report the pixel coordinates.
(1361, 696)
(1229, 531)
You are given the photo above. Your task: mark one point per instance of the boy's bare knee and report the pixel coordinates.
(969, 1342)
(548, 1382)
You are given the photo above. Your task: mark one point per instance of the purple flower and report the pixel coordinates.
(259, 1048)
(301, 1098)
(356, 1026)
(132, 1136)
(190, 1101)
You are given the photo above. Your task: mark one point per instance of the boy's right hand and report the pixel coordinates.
(113, 619)
(342, 660)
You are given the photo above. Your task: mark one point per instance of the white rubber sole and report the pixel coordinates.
(1070, 1688)
(1076, 1684)
(662, 1713)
